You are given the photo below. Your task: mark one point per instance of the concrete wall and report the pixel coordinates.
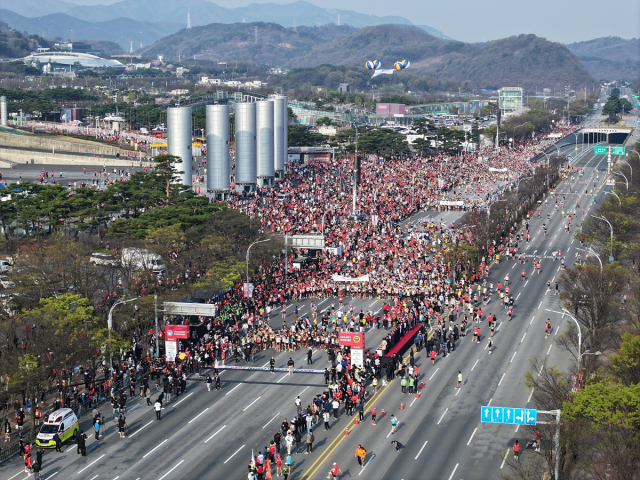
(41, 158)
(60, 142)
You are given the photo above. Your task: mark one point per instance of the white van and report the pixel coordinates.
(63, 422)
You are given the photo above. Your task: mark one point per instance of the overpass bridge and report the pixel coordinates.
(608, 134)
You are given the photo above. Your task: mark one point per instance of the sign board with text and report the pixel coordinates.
(171, 349)
(351, 339)
(176, 332)
(508, 415)
(599, 150)
(617, 150)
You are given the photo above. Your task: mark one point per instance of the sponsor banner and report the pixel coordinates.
(357, 357)
(342, 278)
(176, 332)
(452, 203)
(267, 369)
(293, 157)
(503, 170)
(351, 339)
(247, 289)
(171, 349)
(334, 250)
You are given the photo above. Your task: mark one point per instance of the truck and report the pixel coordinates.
(142, 259)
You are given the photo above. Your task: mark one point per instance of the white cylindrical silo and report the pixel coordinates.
(179, 140)
(285, 133)
(246, 167)
(217, 148)
(3, 111)
(279, 148)
(264, 142)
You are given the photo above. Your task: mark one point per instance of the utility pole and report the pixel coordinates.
(155, 311)
(355, 175)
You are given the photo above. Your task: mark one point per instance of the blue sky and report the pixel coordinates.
(563, 21)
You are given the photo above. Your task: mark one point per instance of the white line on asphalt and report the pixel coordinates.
(434, 373)
(518, 296)
(513, 356)
(265, 365)
(365, 465)
(530, 395)
(117, 477)
(490, 400)
(234, 454)
(573, 241)
(217, 432)
(540, 372)
(532, 319)
(425, 444)
(283, 377)
(414, 401)
(183, 399)
(454, 471)
(176, 466)
(505, 458)
(134, 433)
(443, 414)
(54, 474)
(549, 351)
(557, 330)
(568, 248)
(498, 326)
(94, 478)
(545, 252)
(539, 305)
(552, 280)
(274, 417)
(525, 283)
(522, 340)
(17, 474)
(304, 391)
(247, 407)
(97, 459)
(517, 428)
(232, 389)
(133, 408)
(474, 365)
(471, 437)
(514, 266)
(554, 237)
(154, 448)
(501, 378)
(201, 413)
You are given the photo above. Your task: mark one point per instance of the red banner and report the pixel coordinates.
(351, 339)
(176, 332)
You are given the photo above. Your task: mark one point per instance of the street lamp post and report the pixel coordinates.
(566, 312)
(110, 325)
(614, 193)
(489, 206)
(602, 217)
(630, 169)
(623, 176)
(590, 250)
(249, 250)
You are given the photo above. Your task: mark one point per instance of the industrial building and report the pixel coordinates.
(50, 62)
(510, 99)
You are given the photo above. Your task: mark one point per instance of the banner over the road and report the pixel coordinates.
(342, 278)
(351, 339)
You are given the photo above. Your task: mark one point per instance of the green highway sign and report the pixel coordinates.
(599, 150)
(617, 150)
(634, 96)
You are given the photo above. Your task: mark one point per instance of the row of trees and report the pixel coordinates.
(600, 394)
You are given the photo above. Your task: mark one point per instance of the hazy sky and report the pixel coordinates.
(563, 21)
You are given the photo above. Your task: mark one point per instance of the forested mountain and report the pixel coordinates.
(609, 57)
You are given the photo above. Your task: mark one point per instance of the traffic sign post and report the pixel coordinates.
(599, 150)
(617, 150)
(509, 415)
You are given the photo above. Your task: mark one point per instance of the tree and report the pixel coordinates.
(322, 121)
(612, 107)
(300, 136)
(166, 168)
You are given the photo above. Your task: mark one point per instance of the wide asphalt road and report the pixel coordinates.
(213, 434)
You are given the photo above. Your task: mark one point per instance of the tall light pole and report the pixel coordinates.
(110, 325)
(566, 312)
(548, 163)
(590, 250)
(355, 176)
(623, 176)
(630, 169)
(249, 250)
(602, 217)
(614, 193)
(489, 206)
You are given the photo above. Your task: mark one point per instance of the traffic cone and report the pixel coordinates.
(401, 406)
(417, 393)
(421, 384)
(346, 432)
(357, 421)
(383, 413)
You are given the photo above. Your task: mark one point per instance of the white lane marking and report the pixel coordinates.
(176, 466)
(474, 365)
(573, 241)
(425, 444)
(513, 356)
(175, 405)
(514, 266)
(454, 471)
(232, 389)
(96, 460)
(525, 283)
(414, 401)
(539, 305)
(201, 413)
(217, 432)
(552, 280)
(530, 395)
(498, 326)
(549, 351)
(443, 414)
(155, 448)
(532, 319)
(457, 392)
(132, 408)
(490, 400)
(365, 465)
(136, 432)
(505, 458)
(557, 330)
(247, 407)
(303, 391)
(283, 377)
(517, 428)
(434, 373)
(471, 437)
(501, 378)
(234, 454)
(54, 474)
(540, 372)
(94, 478)
(518, 296)
(265, 365)
(545, 252)
(16, 475)
(522, 340)
(274, 417)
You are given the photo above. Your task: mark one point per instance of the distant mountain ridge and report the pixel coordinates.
(607, 58)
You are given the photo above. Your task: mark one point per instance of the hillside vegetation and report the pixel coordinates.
(609, 57)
